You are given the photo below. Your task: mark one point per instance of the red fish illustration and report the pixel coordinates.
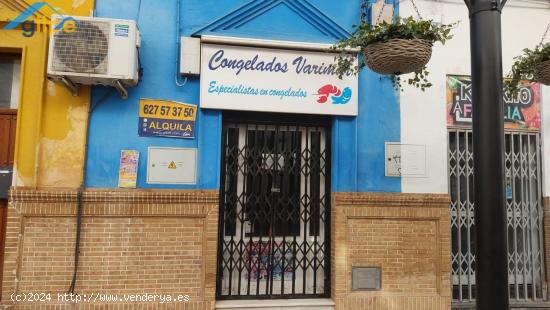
(327, 90)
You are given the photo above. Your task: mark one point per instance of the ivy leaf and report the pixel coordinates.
(525, 66)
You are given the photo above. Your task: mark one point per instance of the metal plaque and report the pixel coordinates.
(366, 278)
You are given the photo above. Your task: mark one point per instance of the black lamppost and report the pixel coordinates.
(488, 133)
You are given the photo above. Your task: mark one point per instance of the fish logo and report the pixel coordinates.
(343, 98)
(336, 95)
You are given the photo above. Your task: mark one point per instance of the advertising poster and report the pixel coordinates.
(162, 118)
(521, 112)
(259, 257)
(127, 175)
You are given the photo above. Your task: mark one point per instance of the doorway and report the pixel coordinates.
(274, 231)
(526, 272)
(10, 68)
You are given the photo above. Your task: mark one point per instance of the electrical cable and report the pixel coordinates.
(80, 193)
(79, 207)
(180, 84)
(544, 36)
(178, 46)
(140, 68)
(78, 232)
(82, 187)
(138, 11)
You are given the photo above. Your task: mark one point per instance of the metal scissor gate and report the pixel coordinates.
(274, 228)
(526, 274)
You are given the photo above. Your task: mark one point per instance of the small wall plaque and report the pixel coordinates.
(366, 278)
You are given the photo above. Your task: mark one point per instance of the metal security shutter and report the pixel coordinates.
(275, 211)
(525, 214)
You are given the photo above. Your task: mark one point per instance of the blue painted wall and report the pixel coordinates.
(357, 142)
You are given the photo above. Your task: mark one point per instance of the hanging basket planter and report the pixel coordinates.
(542, 72)
(533, 65)
(398, 56)
(396, 48)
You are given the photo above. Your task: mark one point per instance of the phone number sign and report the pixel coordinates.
(162, 118)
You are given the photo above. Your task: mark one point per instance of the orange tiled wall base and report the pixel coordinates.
(132, 242)
(407, 235)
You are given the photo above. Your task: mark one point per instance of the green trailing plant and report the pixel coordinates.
(524, 67)
(401, 28)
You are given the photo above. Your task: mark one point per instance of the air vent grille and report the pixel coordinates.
(85, 50)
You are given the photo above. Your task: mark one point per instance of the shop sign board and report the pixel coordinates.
(162, 118)
(275, 80)
(520, 112)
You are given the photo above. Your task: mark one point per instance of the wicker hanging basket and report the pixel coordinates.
(542, 73)
(398, 56)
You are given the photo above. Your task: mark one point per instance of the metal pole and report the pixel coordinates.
(488, 134)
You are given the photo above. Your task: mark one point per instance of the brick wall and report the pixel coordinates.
(407, 235)
(164, 242)
(133, 242)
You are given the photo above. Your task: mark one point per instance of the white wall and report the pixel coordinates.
(423, 114)
(546, 139)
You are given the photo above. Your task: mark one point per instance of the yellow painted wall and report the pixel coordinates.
(51, 125)
(9, 9)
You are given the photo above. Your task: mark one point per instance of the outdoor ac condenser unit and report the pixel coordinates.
(94, 51)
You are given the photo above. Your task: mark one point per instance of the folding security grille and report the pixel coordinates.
(274, 212)
(524, 210)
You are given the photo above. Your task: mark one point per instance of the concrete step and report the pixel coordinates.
(278, 304)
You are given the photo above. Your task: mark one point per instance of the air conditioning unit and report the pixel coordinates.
(94, 51)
